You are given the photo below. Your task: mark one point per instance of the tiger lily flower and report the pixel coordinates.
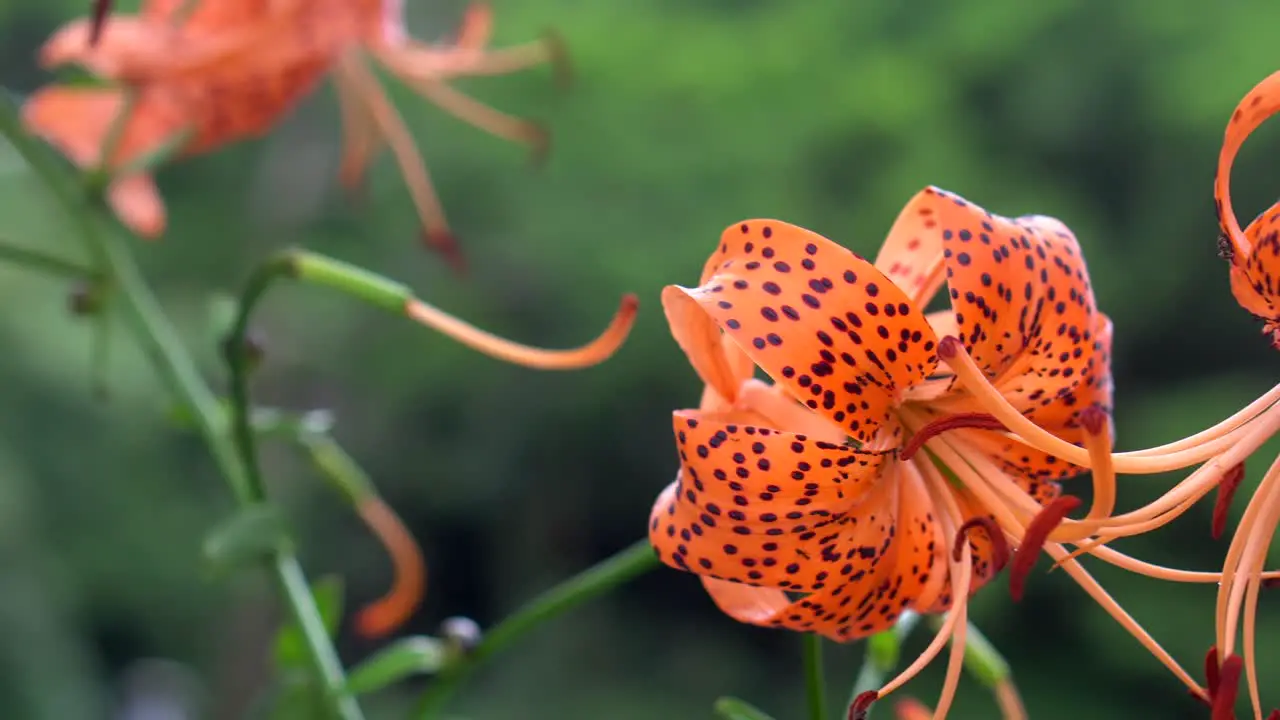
(871, 479)
(1254, 255)
(231, 70)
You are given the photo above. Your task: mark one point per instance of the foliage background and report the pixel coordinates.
(686, 117)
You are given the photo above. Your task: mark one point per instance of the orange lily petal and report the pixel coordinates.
(1260, 103)
(1255, 282)
(820, 320)
(912, 252)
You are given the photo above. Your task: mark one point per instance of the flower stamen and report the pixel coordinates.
(1097, 441)
(1228, 687)
(1227, 487)
(981, 421)
(1220, 438)
(999, 544)
(861, 705)
(1033, 540)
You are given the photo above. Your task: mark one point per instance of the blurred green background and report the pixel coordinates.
(685, 117)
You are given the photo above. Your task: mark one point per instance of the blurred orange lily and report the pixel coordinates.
(816, 486)
(231, 70)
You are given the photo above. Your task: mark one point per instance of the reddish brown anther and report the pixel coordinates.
(1224, 699)
(443, 242)
(999, 545)
(100, 10)
(979, 421)
(949, 347)
(1094, 419)
(1274, 715)
(1211, 675)
(1034, 538)
(1226, 491)
(862, 704)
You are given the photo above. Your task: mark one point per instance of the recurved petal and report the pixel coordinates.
(820, 320)
(912, 252)
(1255, 282)
(136, 201)
(1260, 103)
(719, 362)
(764, 507)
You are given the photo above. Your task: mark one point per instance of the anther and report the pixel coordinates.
(1094, 419)
(100, 10)
(977, 421)
(949, 347)
(1227, 487)
(861, 705)
(999, 545)
(444, 242)
(1224, 700)
(1034, 538)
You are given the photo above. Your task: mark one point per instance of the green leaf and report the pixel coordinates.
(417, 655)
(291, 646)
(297, 698)
(731, 708)
(250, 534)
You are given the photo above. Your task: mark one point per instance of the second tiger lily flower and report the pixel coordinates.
(870, 478)
(227, 71)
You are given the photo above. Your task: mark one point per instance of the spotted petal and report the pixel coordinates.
(820, 320)
(762, 506)
(1256, 281)
(1260, 103)
(911, 255)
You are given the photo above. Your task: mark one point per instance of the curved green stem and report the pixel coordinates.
(43, 262)
(815, 686)
(587, 585)
(177, 369)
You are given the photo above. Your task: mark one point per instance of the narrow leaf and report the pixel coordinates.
(408, 656)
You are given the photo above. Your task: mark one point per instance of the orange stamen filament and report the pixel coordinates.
(1251, 538)
(476, 113)
(981, 421)
(410, 580)
(594, 352)
(1218, 438)
(422, 61)
(1011, 707)
(361, 137)
(353, 70)
(961, 573)
(1097, 441)
(974, 478)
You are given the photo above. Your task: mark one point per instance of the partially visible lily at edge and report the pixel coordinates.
(207, 73)
(898, 456)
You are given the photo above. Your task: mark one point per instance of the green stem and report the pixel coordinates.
(178, 370)
(49, 264)
(815, 686)
(589, 584)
